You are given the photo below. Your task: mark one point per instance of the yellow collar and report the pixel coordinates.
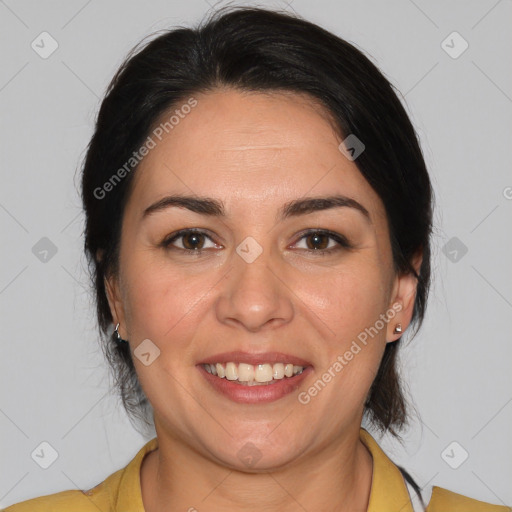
(388, 491)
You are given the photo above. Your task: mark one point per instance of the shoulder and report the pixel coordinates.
(443, 500)
(120, 491)
(101, 497)
(75, 501)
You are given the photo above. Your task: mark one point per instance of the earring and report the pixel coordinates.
(398, 329)
(117, 336)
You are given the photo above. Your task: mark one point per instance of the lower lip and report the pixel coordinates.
(255, 394)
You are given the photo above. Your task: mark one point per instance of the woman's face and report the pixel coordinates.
(260, 286)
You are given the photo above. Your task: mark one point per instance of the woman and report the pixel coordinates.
(258, 221)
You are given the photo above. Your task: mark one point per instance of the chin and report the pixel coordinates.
(250, 459)
(254, 454)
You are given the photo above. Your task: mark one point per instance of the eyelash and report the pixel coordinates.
(341, 240)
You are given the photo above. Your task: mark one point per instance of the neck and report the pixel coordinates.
(175, 478)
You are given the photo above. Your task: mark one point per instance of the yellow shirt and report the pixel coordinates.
(121, 492)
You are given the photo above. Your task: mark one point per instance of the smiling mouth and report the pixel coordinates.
(254, 375)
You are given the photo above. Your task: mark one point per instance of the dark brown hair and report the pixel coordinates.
(252, 49)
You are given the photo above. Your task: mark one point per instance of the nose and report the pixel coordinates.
(255, 296)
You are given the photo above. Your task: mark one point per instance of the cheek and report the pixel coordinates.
(348, 302)
(161, 300)
(347, 299)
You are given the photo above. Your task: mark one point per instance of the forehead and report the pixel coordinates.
(247, 148)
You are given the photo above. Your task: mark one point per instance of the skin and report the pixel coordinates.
(255, 152)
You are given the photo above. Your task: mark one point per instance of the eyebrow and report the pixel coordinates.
(215, 208)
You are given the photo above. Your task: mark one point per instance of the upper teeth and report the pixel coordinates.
(244, 372)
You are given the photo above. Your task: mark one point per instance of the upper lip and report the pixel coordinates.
(255, 358)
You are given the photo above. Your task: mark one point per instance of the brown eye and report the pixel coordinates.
(323, 242)
(317, 241)
(192, 241)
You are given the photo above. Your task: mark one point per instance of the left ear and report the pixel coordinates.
(403, 298)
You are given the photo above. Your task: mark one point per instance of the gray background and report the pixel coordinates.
(54, 383)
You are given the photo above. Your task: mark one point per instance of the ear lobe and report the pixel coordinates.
(405, 288)
(114, 301)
